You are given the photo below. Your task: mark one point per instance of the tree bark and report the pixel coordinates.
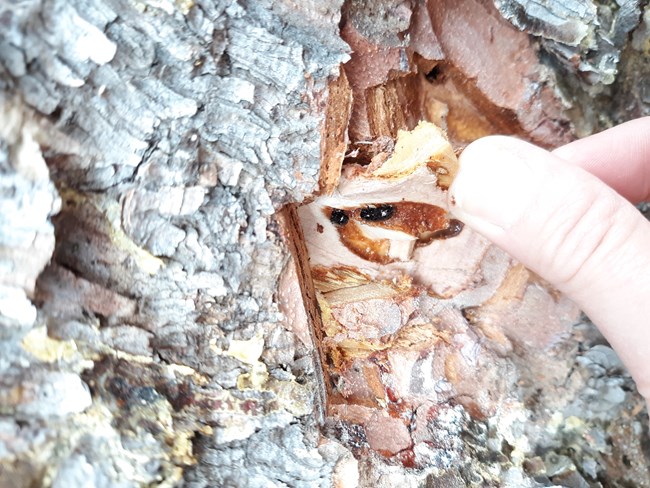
(158, 317)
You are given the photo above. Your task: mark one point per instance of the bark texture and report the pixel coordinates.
(150, 333)
(172, 131)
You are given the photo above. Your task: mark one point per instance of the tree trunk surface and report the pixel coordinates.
(184, 300)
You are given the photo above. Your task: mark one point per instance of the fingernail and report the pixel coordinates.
(496, 183)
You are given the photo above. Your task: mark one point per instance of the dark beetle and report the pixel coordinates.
(339, 217)
(377, 214)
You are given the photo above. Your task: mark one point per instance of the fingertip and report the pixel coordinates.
(495, 182)
(491, 148)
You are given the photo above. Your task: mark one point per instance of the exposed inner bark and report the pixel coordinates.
(420, 317)
(423, 328)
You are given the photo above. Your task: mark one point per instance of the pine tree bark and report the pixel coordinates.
(153, 327)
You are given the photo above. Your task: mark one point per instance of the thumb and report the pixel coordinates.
(568, 227)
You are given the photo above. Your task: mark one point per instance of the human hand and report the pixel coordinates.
(567, 216)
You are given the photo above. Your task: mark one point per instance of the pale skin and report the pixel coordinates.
(569, 216)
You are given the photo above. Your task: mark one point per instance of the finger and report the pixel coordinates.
(571, 229)
(619, 156)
